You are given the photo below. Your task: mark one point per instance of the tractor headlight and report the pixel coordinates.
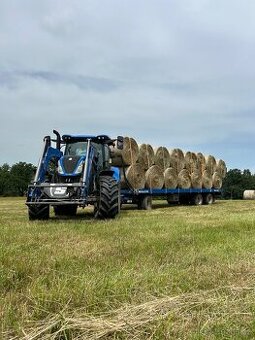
(79, 169)
(60, 169)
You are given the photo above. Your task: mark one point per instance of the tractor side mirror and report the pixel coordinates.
(120, 142)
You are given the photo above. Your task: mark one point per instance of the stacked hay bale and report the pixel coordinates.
(146, 156)
(170, 178)
(177, 160)
(143, 166)
(154, 177)
(132, 173)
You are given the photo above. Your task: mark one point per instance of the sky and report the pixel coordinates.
(177, 73)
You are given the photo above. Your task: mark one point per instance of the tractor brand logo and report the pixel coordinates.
(59, 191)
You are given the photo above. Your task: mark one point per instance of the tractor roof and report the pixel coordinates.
(102, 139)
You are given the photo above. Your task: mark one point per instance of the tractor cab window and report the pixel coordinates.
(107, 153)
(99, 153)
(76, 149)
(103, 154)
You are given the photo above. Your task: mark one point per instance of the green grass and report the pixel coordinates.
(176, 272)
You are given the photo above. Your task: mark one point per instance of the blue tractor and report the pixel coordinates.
(74, 173)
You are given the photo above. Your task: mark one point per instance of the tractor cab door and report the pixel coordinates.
(103, 155)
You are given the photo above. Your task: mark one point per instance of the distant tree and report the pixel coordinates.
(4, 179)
(21, 174)
(248, 180)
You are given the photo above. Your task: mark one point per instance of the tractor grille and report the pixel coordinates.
(70, 163)
(69, 179)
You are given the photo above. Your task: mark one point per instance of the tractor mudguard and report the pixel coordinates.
(116, 173)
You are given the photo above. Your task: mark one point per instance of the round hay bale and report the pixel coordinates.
(206, 180)
(221, 168)
(249, 195)
(162, 157)
(170, 177)
(190, 161)
(154, 177)
(216, 180)
(184, 180)
(177, 160)
(116, 156)
(130, 150)
(196, 179)
(210, 164)
(146, 156)
(200, 162)
(135, 176)
(128, 155)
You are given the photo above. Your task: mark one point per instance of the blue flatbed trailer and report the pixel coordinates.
(143, 197)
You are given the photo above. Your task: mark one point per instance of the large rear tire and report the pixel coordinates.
(108, 200)
(38, 212)
(65, 210)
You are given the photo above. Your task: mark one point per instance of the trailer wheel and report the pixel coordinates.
(197, 199)
(145, 203)
(65, 210)
(38, 212)
(108, 200)
(208, 199)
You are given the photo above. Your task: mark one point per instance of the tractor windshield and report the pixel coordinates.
(76, 149)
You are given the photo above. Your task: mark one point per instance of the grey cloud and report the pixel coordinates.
(13, 79)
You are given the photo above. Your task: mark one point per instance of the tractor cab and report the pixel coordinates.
(76, 149)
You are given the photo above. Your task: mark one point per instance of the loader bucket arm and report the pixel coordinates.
(48, 154)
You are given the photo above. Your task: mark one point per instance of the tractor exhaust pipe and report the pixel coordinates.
(58, 140)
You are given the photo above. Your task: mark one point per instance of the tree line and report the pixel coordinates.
(236, 181)
(15, 179)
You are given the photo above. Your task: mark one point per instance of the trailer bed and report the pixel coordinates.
(143, 197)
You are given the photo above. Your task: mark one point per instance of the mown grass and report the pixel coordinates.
(179, 272)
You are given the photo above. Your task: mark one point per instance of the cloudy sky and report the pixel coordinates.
(178, 73)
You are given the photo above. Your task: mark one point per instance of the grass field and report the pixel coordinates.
(176, 272)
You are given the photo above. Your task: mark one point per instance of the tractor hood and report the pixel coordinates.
(70, 165)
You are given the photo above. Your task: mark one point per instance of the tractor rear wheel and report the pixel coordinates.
(38, 212)
(65, 210)
(108, 200)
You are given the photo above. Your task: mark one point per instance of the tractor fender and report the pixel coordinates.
(114, 172)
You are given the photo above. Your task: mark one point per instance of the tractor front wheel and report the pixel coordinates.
(108, 199)
(38, 212)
